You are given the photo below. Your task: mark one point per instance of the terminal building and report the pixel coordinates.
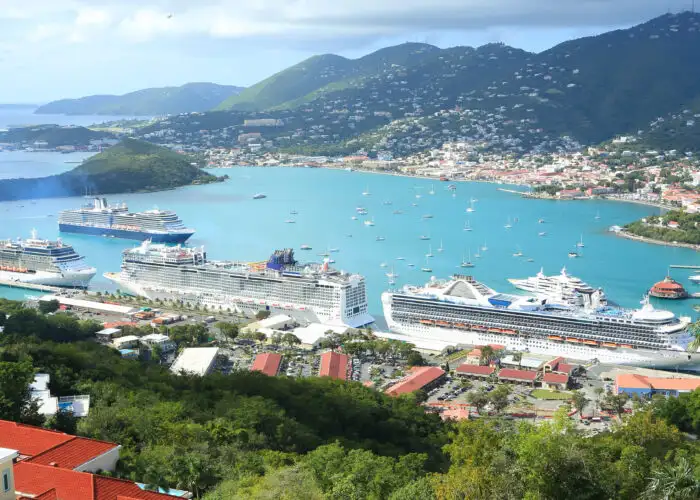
(646, 387)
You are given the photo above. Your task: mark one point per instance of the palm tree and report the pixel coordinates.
(673, 482)
(695, 330)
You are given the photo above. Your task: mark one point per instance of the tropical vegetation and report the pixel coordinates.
(248, 436)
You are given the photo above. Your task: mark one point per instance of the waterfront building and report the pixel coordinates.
(632, 383)
(268, 363)
(668, 288)
(420, 378)
(334, 365)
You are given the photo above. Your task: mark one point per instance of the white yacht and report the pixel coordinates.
(563, 288)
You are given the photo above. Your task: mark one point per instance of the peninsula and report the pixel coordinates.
(673, 227)
(128, 167)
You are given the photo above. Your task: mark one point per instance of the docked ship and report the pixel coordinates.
(464, 311)
(115, 221)
(313, 292)
(562, 288)
(43, 262)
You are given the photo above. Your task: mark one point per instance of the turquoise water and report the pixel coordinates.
(231, 225)
(15, 164)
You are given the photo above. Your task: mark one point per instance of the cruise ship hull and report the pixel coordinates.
(154, 236)
(247, 305)
(74, 278)
(660, 359)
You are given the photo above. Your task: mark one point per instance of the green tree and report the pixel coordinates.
(15, 397)
(415, 358)
(499, 397)
(228, 330)
(674, 481)
(290, 340)
(49, 306)
(478, 399)
(579, 401)
(615, 403)
(63, 421)
(262, 314)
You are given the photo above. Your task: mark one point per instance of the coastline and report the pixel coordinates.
(644, 239)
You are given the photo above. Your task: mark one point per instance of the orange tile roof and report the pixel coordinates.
(629, 380)
(517, 374)
(555, 378)
(420, 377)
(334, 365)
(267, 363)
(475, 370)
(73, 453)
(565, 368)
(29, 440)
(34, 479)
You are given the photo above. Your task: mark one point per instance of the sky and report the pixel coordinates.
(51, 49)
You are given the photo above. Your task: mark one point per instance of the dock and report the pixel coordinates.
(30, 286)
(683, 266)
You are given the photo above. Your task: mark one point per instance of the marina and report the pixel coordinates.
(231, 225)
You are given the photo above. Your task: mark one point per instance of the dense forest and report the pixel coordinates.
(657, 227)
(248, 436)
(130, 166)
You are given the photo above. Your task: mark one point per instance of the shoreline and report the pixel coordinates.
(644, 239)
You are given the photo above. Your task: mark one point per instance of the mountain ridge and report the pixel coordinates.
(190, 97)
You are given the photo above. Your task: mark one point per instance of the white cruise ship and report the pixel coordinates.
(464, 311)
(562, 288)
(313, 292)
(43, 262)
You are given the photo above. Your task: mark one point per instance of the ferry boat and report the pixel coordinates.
(642, 337)
(43, 262)
(115, 221)
(562, 288)
(313, 292)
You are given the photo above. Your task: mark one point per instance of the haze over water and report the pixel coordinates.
(231, 225)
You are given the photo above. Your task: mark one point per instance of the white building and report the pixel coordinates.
(158, 339)
(7, 481)
(195, 361)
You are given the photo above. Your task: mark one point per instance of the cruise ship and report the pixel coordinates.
(464, 311)
(43, 262)
(311, 292)
(115, 221)
(562, 288)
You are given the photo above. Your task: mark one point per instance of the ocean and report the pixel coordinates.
(230, 224)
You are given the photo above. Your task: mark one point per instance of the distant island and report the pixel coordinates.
(128, 167)
(187, 98)
(51, 136)
(675, 226)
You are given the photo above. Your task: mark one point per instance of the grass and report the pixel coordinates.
(546, 394)
(458, 355)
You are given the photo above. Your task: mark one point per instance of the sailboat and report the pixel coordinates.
(580, 243)
(468, 262)
(369, 222)
(432, 191)
(597, 216)
(540, 220)
(289, 221)
(519, 253)
(477, 255)
(467, 227)
(427, 268)
(293, 212)
(471, 206)
(424, 237)
(574, 254)
(366, 192)
(508, 224)
(430, 252)
(440, 248)
(392, 274)
(542, 233)
(484, 248)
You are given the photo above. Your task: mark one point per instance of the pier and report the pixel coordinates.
(681, 266)
(29, 286)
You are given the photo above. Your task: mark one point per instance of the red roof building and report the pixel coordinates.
(54, 483)
(555, 380)
(46, 447)
(517, 375)
(334, 365)
(565, 368)
(421, 377)
(267, 363)
(668, 289)
(475, 371)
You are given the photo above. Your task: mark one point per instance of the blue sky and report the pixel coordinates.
(51, 49)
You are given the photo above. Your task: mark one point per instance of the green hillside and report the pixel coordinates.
(53, 135)
(320, 74)
(130, 166)
(155, 101)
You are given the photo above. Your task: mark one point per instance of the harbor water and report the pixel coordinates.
(230, 224)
